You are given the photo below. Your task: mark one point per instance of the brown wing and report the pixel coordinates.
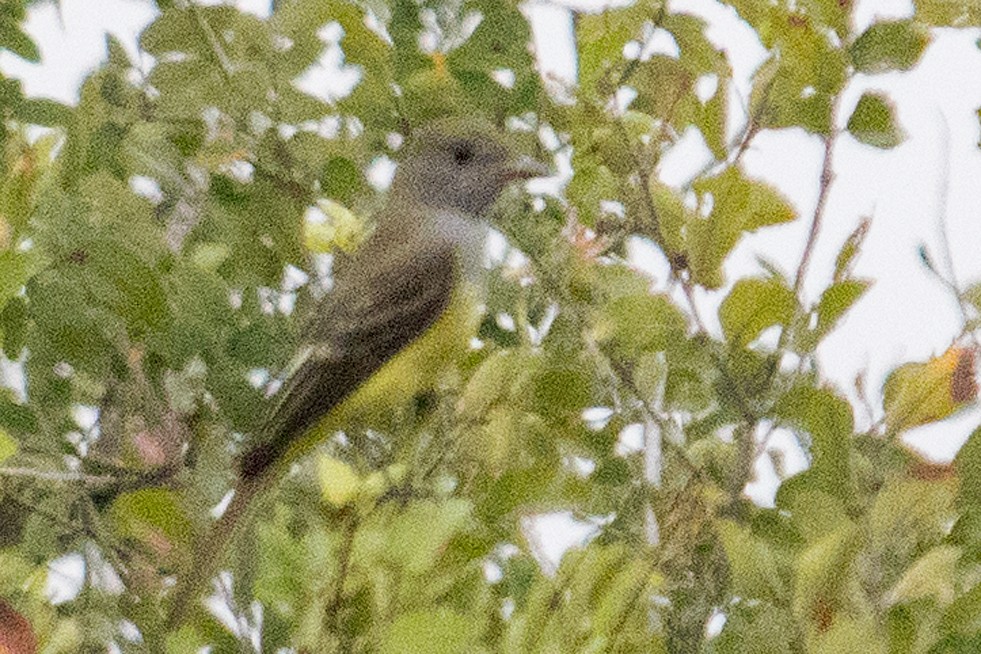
(380, 307)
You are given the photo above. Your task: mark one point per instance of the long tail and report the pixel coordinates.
(209, 548)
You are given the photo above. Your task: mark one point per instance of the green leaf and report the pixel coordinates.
(423, 529)
(835, 301)
(691, 373)
(665, 89)
(963, 616)
(17, 418)
(739, 205)
(185, 640)
(850, 249)
(672, 214)
(438, 631)
(341, 180)
(906, 516)
(75, 332)
(176, 30)
(633, 579)
(968, 464)
(127, 285)
(500, 42)
(933, 575)
(14, 39)
(873, 123)
(591, 184)
(13, 327)
(501, 378)
(822, 573)
(760, 628)
(833, 13)
(948, 13)
(14, 271)
(42, 111)
(797, 87)
(209, 256)
(754, 566)
(814, 513)
(600, 38)
(634, 324)
(890, 45)
(828, 420)
(117, 57)
(698, 53)
(563, 388)
(505, 494)
(299, 22)
(754, 305)
(711, 118)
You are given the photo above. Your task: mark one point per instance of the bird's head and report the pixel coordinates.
(462, 165)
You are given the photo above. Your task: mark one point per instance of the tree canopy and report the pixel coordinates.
(163, 241)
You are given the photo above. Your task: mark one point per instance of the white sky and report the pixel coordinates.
(906, 316)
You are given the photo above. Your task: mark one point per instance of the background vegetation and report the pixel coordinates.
(160, 245)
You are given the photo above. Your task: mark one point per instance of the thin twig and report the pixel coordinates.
(949, 276)
(739, 144)
(209, 34)
(817, 219)
(89, 481)
(332, 611)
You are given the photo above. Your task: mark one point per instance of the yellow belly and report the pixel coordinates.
(414, 370)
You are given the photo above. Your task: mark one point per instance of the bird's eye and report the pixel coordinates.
(462, 153)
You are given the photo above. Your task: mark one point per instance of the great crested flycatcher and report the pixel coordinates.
(402, 308)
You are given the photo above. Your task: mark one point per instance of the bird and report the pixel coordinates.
(403, 307)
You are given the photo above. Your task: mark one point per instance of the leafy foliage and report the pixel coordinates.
(161, 247)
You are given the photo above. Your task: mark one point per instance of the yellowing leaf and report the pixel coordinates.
(849, 634)
(919, 393)
(8, 446)
(16, 634)
(439, 631)
(344, 230)
(339, 483)
(210, 256)
(153, 517)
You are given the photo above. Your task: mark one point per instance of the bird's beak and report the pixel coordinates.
(524, 167)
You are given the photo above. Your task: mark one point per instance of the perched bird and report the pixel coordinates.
(402, 308)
